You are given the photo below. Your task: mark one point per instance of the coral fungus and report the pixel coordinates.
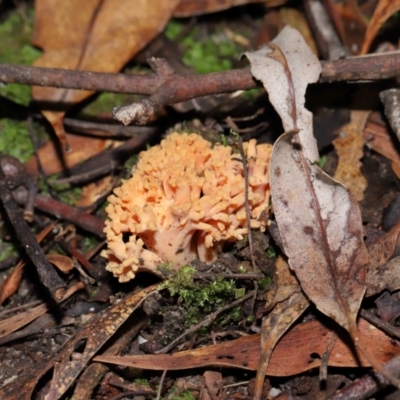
(184, 200)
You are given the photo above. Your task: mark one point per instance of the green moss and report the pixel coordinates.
(198, 299)
(8, 249)
(322, 161)
(15, 139)
(104, 103)
(173, 29)
(209, 54)
(177, 394)
(251, 94)
(15, 35)
(89, 242)
(263, 283)
(142, 382)
(67, 193)
(271, 252)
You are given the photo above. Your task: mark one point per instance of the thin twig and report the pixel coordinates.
(159, 390)
(323, 369)
(366, 386)
(48, 276)
(379, 323)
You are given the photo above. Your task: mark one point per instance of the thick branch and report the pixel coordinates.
(374, 67)
(166, 87)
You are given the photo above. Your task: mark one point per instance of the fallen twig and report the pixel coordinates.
(68, 213)
(48, 276)
(166, 87)
(379, 323)
(366, 386)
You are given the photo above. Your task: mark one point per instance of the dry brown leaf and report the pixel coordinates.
(188, 8)
(12, 282)
(384, 277)
(63, 263)
(384, 10)
(298, 351)
(287, 304)
(93, 35)
(16, 322)
(377, 138)
(349, 147)
(49, 156)
(382, 273)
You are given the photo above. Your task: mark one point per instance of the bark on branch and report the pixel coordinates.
(166, 87)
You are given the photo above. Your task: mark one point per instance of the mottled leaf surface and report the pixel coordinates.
(321, 230)
(286, 67)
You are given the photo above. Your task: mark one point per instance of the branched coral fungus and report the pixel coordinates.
(184, 200)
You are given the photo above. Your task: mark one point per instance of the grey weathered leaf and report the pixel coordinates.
(286, 67)
(321, 229)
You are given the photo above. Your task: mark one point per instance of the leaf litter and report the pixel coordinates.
(319, 220)
(288, 297)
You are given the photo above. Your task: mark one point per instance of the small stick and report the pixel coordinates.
(159, 390)
(48, 276)
(379, 323)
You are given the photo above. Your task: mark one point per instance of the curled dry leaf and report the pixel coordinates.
(383, 11)
(12, 282)
(291, 356)
(63, 263)
(288, 303)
